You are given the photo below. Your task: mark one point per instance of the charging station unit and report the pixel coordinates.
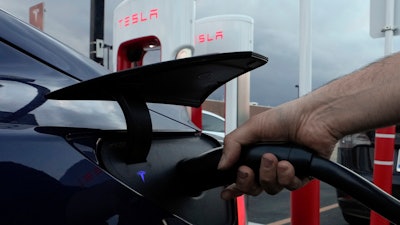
(229, 33)
(144, 26)
(168, 27)
(151, 31)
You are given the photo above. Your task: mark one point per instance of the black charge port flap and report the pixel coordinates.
(187, 81)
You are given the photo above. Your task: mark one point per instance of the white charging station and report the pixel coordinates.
(228, 33)
(151, 31)
(142, 26)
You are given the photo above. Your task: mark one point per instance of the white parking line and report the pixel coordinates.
(251, 223)
(287, 220)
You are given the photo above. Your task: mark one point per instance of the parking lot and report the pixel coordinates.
(275, 210)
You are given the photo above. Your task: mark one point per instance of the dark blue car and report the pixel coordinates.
(82, 145)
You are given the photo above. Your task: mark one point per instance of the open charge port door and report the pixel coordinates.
(158, 179)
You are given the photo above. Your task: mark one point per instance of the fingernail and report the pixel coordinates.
(282, 168)
(242, 174)
(267, 162)
(221, 162)
(226, 195)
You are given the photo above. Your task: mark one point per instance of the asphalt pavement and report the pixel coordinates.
(275, 209)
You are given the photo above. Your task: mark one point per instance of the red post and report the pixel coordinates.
(383, 166)
(196, 115)
(241, 210)
(305, 204)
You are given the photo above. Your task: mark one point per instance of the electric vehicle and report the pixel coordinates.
(82, 145)
(356, 152)
(50, 173)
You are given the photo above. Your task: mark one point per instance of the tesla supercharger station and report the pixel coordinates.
(151, 31)
(229, 33)
(142, 26)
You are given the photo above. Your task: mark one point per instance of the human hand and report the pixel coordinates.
(284, 124)
(274, 176)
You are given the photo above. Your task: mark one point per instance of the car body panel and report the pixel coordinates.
(46, 181)
(45, 178)
(53, 168)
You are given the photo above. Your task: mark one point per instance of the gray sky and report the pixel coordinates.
(340, 39)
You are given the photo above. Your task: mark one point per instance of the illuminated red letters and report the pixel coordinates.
(138, 17)
(202, 38)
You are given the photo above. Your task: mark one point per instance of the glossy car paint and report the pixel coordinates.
(50, 173)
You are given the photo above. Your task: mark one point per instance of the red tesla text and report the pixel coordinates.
(138, 17)
(202, 38)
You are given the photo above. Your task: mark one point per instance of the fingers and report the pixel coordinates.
(268, 174)
(274, 177)
(287, 177)
(245, 184)
(246, 134)
(230, 154)
(246, 181)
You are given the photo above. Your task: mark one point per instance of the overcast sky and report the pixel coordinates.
(340, 38)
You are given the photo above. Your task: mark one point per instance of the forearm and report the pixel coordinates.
(367, 98)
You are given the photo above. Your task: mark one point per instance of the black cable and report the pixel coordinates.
(356, 186)
(201, 173)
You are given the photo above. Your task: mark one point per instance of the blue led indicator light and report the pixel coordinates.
(141, 173)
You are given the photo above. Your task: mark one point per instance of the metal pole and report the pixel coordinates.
(301, 215)
(384, 137)
(305, 48)
(389, 28)
(96, 27)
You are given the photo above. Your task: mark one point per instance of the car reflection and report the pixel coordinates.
(41, 198)
(22, 116)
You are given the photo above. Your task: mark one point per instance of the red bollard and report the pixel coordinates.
(241, 210)
(383, 166)
(305, 204)
(196, 116)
